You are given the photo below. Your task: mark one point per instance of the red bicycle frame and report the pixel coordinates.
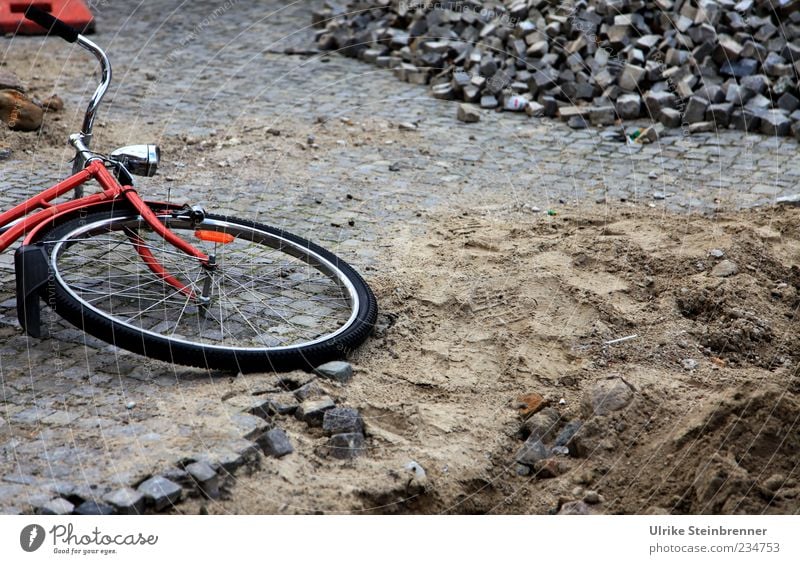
(29, 225)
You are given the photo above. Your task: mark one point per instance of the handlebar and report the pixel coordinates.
(69, 33)
(52, 24)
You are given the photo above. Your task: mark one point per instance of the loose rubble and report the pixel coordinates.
(698, 66)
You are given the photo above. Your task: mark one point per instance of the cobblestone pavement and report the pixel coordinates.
(311, 143)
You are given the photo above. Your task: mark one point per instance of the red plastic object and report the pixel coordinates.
(71, 12)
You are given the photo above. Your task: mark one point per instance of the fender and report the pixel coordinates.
(32, 272)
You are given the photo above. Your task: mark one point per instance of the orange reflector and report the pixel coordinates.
(214, 236)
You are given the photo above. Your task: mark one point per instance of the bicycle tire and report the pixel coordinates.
(91, 261)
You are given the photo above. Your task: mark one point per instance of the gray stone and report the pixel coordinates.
(758, 103)
(280, 404)
(737, 95)
(739, 69)
(229, 459)
(443, 91)
(775, 482)
(689, 364)
(91, 507)
(774, 122)
(567, 437)
(57, 506)
(716, 253)
(570, 111)
(745, 120)
(489, 102)
(720, 114)
(652, 134)
(17, 478)
(542, 425)
(731, 48)
(468, 113)
(160, 492)
(656, 101)
(312, 411)
(775, 65)
(591, 497)
(346, 445)
(205, 477)
(10, 81)
(604, 115)
(337, 370)
(695, 109)
(550, 105)
(471, 94)
(126, 501)
(724, 269)
(534, 109)
(308, 390)
(631, 77)
(790, 200)
(609, 395)
(531, 452)
(670, 117)
(342, 420)
(577, 122)
(500, 80)
(702, 127)
(574, 508)
(757, 83)
(788, 102)
(275, 443)
(629, 106)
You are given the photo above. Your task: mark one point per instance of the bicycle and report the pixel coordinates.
(174, 282)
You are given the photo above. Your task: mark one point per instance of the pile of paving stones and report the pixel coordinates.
(697, 65)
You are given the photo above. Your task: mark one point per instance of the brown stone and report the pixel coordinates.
(528, 404)
(18, 112)
(53, 103)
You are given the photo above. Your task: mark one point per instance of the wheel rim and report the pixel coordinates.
(269, 293)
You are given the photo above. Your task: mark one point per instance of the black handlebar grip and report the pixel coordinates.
(52, 24)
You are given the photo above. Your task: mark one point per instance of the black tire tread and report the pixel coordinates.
(303, 357)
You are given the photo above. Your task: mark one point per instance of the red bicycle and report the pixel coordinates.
(174, 282)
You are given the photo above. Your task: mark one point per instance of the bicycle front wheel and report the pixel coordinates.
(273, 301)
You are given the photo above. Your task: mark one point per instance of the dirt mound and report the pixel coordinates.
(524, 362)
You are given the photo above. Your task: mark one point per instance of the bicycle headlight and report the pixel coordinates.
(141, 160)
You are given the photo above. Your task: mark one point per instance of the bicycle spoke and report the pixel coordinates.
(261, 295)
